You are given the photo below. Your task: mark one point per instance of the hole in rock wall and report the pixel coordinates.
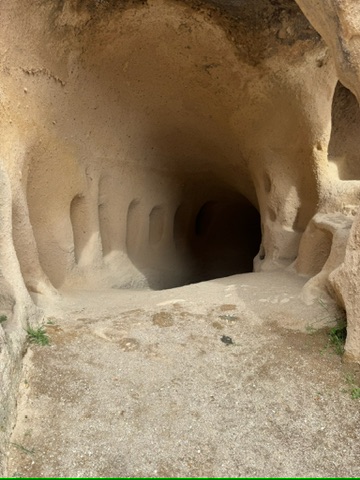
(222, 237)
(156, 225)
(77, 215)
(199, 240)
(344, 155)
(225, 239)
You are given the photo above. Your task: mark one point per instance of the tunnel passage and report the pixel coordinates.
(212, 233)
(343, 145)
(202, 240)
(223, 238)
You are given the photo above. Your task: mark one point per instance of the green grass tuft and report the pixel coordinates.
(38, 336)
(337, 337)
(355, 393)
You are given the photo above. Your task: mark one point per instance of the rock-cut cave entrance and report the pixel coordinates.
(212, 235)
(144, 178)
(227, 238)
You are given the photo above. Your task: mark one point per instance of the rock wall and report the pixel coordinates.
(142, 140)
(338, 22)
(16, 312)
(128, 121)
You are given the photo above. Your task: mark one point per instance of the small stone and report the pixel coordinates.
(227, 340)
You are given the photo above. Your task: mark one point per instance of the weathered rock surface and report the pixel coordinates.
(17, 310)
(150, 128)
(338, 22)
(155, 144)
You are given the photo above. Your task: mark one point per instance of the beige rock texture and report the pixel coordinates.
(154, 144)
(338, 22)
(17, 311)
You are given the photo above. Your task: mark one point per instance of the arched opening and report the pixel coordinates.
(219, 237)
(345, 132)
(156, 225)
(225, 239)
(215, 233)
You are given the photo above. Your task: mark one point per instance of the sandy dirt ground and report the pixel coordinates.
(222, 378)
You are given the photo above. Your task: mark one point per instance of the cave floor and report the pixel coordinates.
(230, 377)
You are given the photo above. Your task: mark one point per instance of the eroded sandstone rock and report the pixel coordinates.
(153, 144)
(338, 22)
(16, 312)
(145, 116)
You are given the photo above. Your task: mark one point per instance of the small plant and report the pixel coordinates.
(3, 318)
(355, 390)
(337, 334)
(38, 336)
(355, 393)
(337, 337)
